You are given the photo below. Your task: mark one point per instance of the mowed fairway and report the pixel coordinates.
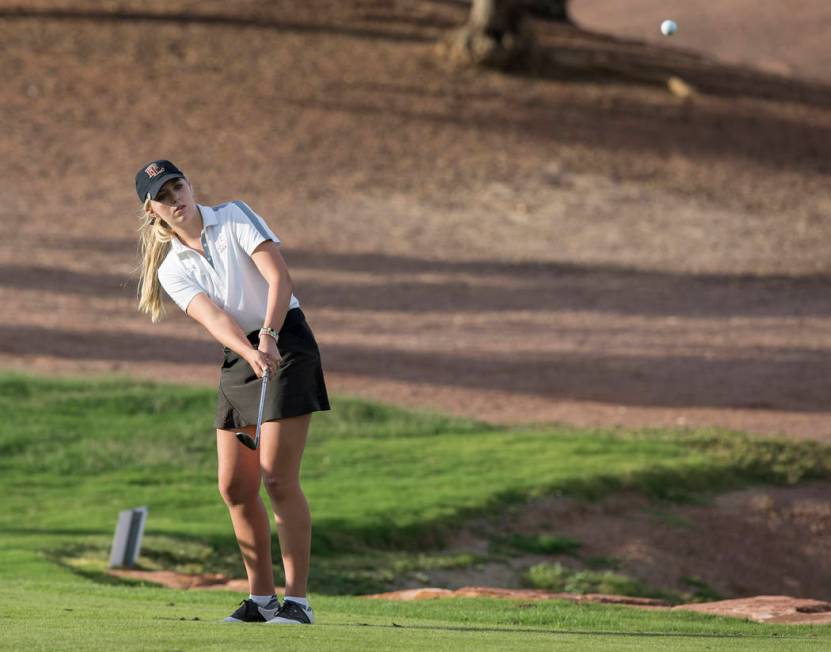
(382, 483)
(92, 617)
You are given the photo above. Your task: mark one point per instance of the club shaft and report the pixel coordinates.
(263, 392)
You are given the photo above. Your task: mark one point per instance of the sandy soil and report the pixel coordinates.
(575, 245)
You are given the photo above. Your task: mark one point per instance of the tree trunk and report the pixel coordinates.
(495, 18)
(556, 10)
(495, 35)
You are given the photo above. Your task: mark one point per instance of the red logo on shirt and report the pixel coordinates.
(153, 170)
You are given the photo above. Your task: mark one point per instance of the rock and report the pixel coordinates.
(515, 594)
(768, 609)
(412, 594)
(624, 599)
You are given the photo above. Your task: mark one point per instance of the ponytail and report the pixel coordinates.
(154, 243)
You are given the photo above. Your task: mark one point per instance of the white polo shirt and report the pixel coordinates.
(230, 234)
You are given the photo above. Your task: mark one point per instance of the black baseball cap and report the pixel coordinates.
(151, 178)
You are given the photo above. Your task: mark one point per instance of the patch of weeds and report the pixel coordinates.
(90, 556)
(556, 577)
(17, 388)
(670, 518)
(349, 574)
(184, 556)
(768, 460)
(158, 552)
(598, 562)
(423, 562)
(378, 572)
(90, 560)
(700, 590)
(539, 544)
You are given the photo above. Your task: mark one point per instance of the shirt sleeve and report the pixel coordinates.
(250, 229)
(179, 286)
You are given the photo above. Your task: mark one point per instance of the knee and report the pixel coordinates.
(279, 488)
(235, 492)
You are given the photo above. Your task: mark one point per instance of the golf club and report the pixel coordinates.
(246, 439)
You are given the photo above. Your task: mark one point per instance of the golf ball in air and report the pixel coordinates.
(669, 27)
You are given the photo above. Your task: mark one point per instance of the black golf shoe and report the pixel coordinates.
(250, 612)
(292, 613)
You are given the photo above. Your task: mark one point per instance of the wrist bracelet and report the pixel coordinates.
(270, 332)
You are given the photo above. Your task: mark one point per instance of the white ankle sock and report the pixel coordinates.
(261, 600)
(303, 602)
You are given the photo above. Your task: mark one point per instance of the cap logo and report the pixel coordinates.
(153, 170)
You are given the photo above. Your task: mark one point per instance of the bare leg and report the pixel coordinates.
(239, 484)
(281, 451)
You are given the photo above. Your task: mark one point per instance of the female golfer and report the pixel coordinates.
(223, 267)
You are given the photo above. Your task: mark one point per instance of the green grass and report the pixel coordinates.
(88, 616)
(386, 486)
(560, 578)
(556, 577)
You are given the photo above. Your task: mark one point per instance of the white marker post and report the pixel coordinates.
(127, 540)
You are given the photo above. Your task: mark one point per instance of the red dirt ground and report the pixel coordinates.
(575, 245)
(770, 34)
(761, 540)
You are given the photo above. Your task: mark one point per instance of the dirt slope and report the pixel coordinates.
(576, 245)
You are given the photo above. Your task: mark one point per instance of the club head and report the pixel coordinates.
(247, 441)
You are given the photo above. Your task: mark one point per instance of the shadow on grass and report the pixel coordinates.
(576, 632)
(180, 552)
(351, 558)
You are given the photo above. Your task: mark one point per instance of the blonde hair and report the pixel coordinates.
(154, 243)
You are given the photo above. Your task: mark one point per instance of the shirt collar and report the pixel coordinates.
(208, 219)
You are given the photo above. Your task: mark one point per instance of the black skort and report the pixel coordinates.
(298, 387)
